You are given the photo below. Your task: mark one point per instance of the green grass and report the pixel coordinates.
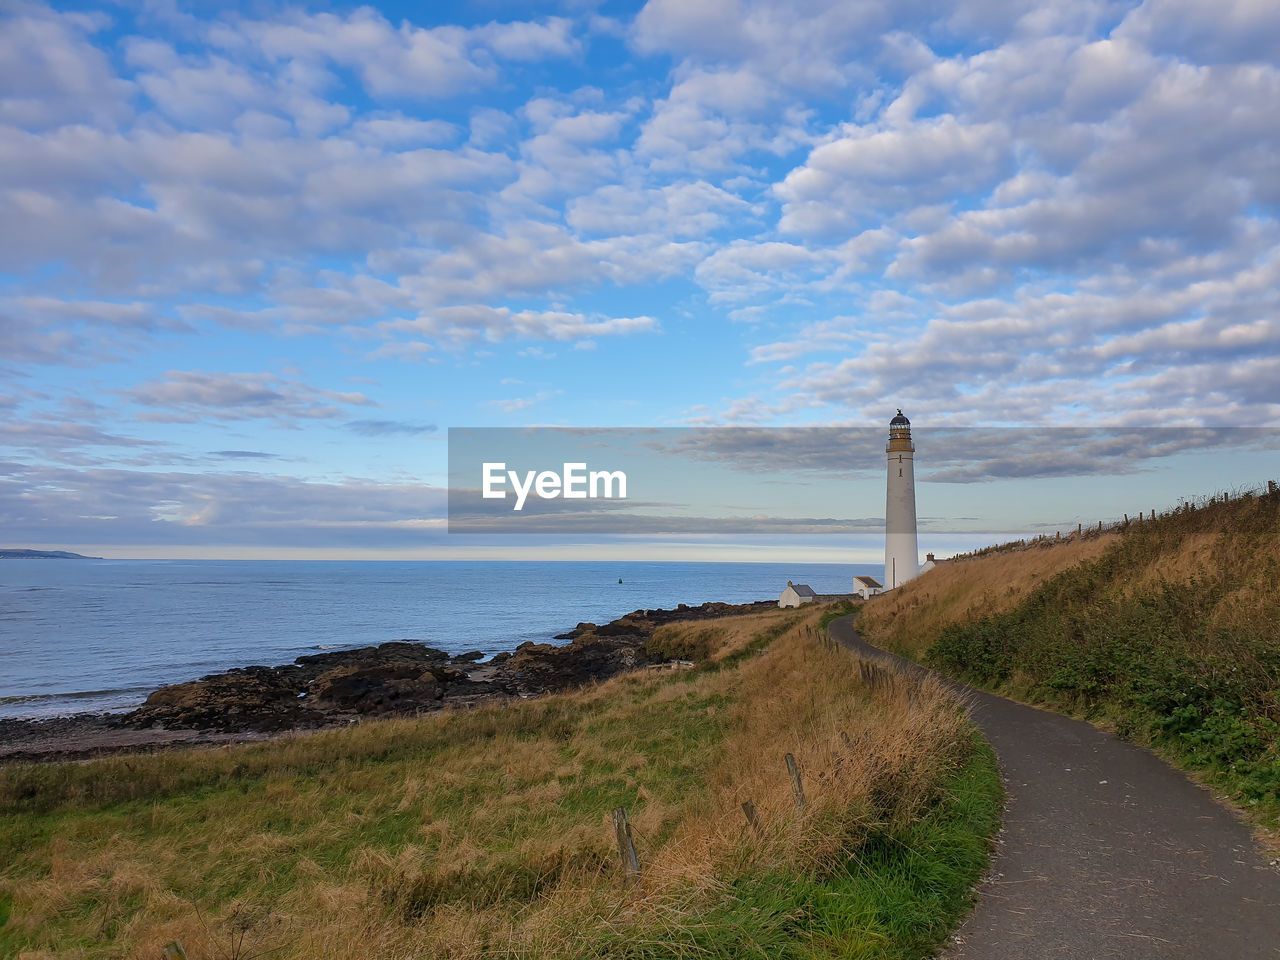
(895, 896)
(834, 612)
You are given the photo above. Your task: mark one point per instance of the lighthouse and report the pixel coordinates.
(901, 556)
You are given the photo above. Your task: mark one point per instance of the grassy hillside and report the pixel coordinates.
(1165, 629)
(488, 832)
(909, 619)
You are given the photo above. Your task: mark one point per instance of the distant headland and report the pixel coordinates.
(13, 553)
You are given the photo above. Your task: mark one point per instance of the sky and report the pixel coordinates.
(256, 261)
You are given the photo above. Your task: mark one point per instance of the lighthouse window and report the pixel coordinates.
(899, 458)
(899, 471)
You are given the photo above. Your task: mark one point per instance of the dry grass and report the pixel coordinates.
(909, 619)
(701, 640)
(483, 833)
(1163, 630)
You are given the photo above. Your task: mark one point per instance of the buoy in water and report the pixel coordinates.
(619, 579)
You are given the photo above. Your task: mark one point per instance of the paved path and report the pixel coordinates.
(1107, 851)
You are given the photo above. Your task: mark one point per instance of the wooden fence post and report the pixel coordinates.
(626, 848)
(797, 788)
(753, 817)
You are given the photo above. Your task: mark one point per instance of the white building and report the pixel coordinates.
(901, 551)
(867, 587)
(796, 594)
(930, 561)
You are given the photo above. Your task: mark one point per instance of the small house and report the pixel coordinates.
(867, 587)
(796, 594)
(930, 561)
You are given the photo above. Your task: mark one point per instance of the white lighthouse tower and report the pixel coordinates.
(901, 552)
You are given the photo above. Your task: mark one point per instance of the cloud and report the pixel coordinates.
(135, 507)
(50, 330)
(870, 172)
(64, 440)
(51, 72)
(1231, 31)
(407, 60)
(188, 396)
(388, 428)
(396, 129)
(527, 40)
(951, 454)
(1015, 212)
(518, 404)
(689, 209)
(243, 455)
(501, 323)
(1038, 354)
(744, 268)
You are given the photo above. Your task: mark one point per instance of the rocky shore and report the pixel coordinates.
(398, 678)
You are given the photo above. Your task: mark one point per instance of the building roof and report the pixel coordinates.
(899, 419)
(802, 590)
(869, 582)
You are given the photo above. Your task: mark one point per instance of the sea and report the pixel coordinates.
(91, 636)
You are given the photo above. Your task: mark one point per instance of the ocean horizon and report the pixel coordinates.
(89, 636)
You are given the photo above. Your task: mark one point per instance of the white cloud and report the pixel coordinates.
(49, 330)
(744, 268)
(398, 130)
(51, 73)
(1009, 211)
(682, 209)
(1226, 31)
(465, 323)
(1116, 356)
(529, 41)
(869, 172)
(188, 396)
(408, 60)
(103, 505)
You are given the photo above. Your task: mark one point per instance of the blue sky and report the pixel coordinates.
(256, 260)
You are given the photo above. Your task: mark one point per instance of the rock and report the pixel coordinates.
(530, 649)
(448, 674)
(381, 689)
(629, 625)
(393, 650)
(406, 677)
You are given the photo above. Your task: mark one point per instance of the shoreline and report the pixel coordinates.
(334, 689)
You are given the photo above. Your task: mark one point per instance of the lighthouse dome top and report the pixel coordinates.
(900, 435)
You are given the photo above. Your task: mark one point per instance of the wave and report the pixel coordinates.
(36, 698)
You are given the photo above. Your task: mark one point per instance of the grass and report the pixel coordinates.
(486, 833)
(1164, 631)
(909, 619)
